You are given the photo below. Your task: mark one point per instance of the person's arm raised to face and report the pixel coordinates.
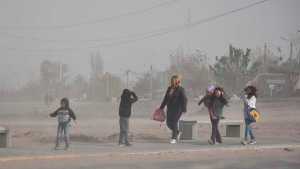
(54, 114)
(134, 99)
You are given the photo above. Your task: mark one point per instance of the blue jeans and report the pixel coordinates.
(248, 129)
(63, 133)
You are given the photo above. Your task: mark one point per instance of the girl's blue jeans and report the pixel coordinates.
(248, 129)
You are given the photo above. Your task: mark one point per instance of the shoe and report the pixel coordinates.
(122, 145)
(56, 148)
(252, 142)
(128, 144)
(219, 142)
(66, 147)
(173, 141)
(244, 142)
(211, 142)
(178, 136)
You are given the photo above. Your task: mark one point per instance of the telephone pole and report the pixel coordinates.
(151, 82)
(265, 59)
(291, 51)
(127, 78)
(188, 31)
(291, 47)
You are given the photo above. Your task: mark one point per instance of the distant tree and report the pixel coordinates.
(235, 70)
(194, 70)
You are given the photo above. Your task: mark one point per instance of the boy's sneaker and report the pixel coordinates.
(66, 147)
(173, 141)
(252, 142)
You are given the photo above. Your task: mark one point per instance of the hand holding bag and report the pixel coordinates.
(159, 115)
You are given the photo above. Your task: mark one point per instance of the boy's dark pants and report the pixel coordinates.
(124, 128)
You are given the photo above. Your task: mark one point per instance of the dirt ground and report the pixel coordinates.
(30, 124)
(31, 127)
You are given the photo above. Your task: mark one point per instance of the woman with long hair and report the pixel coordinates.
(176, 101)
(215, 110)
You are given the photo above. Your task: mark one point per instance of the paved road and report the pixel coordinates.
(153, 156)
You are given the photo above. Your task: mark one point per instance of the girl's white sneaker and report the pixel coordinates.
(252, 142)
(173, 141)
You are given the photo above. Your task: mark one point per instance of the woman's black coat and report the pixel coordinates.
(176, 103)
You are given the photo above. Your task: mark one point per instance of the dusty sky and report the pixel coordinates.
(70, 30)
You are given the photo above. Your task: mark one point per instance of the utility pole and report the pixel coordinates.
(298, 57)
(127, 78)
(107, 78)
(291, 51)
(265, 59)
(60, 72)
(151, 82)
(291, 47)
(188, 31)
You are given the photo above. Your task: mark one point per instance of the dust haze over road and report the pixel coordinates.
(33, 134)
(89, 51)
(32, 31)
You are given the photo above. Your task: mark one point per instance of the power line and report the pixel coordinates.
(166, 29)
(97, 21)
(161, 31)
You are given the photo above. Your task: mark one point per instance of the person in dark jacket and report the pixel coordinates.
(127, 99)
(206, 100)
(215, 113)
(176, 101)
(64, 115)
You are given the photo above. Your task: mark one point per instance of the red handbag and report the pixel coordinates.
(159, 115)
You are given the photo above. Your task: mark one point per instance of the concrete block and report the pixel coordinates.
(4, 137)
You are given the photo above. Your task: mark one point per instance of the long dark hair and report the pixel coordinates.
(66, 102)
(252, 91)
(222, 97)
